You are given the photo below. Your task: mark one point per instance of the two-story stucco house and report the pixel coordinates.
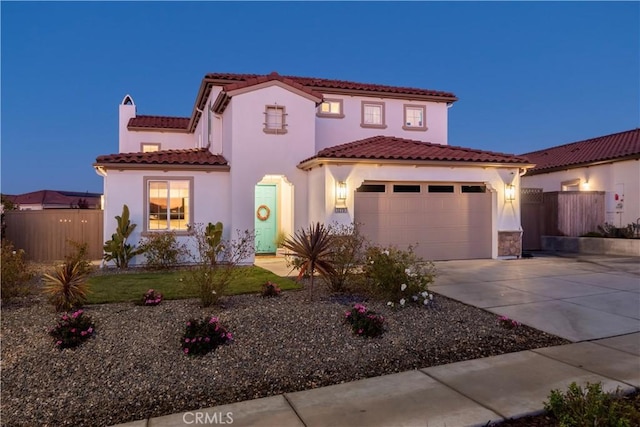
(272, 154)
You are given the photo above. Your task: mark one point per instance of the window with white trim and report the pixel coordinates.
(274, 119)
(414, 117)
(149, 147)
(373, 114)
(168, 204)
(331, 108)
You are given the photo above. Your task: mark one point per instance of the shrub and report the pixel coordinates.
(364, 322)
(79, 255)
(270, 289)
(507, 323)
(313, 249)
(72, 330)
(203, 336)
(346, 257)
(162, 250)
(610, 230)
(151, 298)
(423, 298)
(591, 407)
(67, 287)
(393, 274)
(216, 266)
(117, 249)
(14, 274)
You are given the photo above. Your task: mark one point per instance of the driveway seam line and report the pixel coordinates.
(284, 395)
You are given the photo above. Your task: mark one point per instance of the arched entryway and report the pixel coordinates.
(273, 219)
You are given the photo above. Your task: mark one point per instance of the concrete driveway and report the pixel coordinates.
(577, 298)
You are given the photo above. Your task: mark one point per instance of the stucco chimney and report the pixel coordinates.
(127, 111)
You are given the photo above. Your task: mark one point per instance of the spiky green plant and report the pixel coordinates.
(67, 287)
(312, 247)
(117, 249)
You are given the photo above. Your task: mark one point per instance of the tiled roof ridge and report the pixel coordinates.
(182, 156)
(156, 116)
(251, 81)
(330, 83)
(370, 140)
(584, 141)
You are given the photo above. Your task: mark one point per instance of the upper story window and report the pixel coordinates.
(149, 147)
(274, 121)
(373, 115)
(414, 117)
(331, 108)
(168, 204)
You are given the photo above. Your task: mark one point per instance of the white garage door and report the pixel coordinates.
(446, 221)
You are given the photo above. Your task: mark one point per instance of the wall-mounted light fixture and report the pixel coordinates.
(509, 192)
(341, 195)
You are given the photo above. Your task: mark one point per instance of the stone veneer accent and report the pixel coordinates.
(510, 243)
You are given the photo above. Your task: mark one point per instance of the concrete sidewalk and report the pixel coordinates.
(473, 392)
(595, 301)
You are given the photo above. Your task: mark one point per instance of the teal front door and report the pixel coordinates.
(265, 219)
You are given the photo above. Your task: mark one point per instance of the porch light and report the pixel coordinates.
(341, 191)
(510, 192)
(341, 195)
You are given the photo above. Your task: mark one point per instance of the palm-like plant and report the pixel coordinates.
(67, 287)
(312, 246)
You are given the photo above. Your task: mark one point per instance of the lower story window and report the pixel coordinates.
(168, 204)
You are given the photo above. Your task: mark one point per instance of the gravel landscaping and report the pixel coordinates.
(134, 367)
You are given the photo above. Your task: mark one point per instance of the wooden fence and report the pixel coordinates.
(44, 234)
(559, 213)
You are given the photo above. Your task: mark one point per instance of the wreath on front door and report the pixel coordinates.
(263, 212)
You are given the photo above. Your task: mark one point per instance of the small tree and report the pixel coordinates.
(117, 249)
(347, 255)
(217, 260)
(312, 247)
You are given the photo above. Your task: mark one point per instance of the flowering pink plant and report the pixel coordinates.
(151, 297)
(203, 336)
(72, 330)
(507, 323)
(364, 322)
(270, 289)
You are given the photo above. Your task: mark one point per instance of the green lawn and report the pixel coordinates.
(174, 284)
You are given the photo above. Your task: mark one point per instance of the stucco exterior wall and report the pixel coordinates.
(210, 192)
(334, 131)
(167, 140)
(255, 153)
(606, 178)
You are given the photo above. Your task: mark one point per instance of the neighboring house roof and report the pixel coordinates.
(390, 148)
(195, 157)
(159, 122)
(53, 197)
(603, 149)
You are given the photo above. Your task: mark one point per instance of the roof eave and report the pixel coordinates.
(159, 166)
(157, 129)
(320, 161)
(582, 165)
(382, 94)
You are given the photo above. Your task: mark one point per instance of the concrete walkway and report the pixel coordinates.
(577, 298)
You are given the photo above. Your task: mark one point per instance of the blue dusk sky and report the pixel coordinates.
(527, 75)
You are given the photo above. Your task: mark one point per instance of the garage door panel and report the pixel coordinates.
(443, 225)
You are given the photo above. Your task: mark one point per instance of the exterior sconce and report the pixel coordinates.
(341, 196)
(510, 192)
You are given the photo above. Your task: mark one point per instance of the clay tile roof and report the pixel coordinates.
(252, 81)
(159, 122)
(318, 84)
(392, 148)
(43, 197)
(622, 145)
(193, 157)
